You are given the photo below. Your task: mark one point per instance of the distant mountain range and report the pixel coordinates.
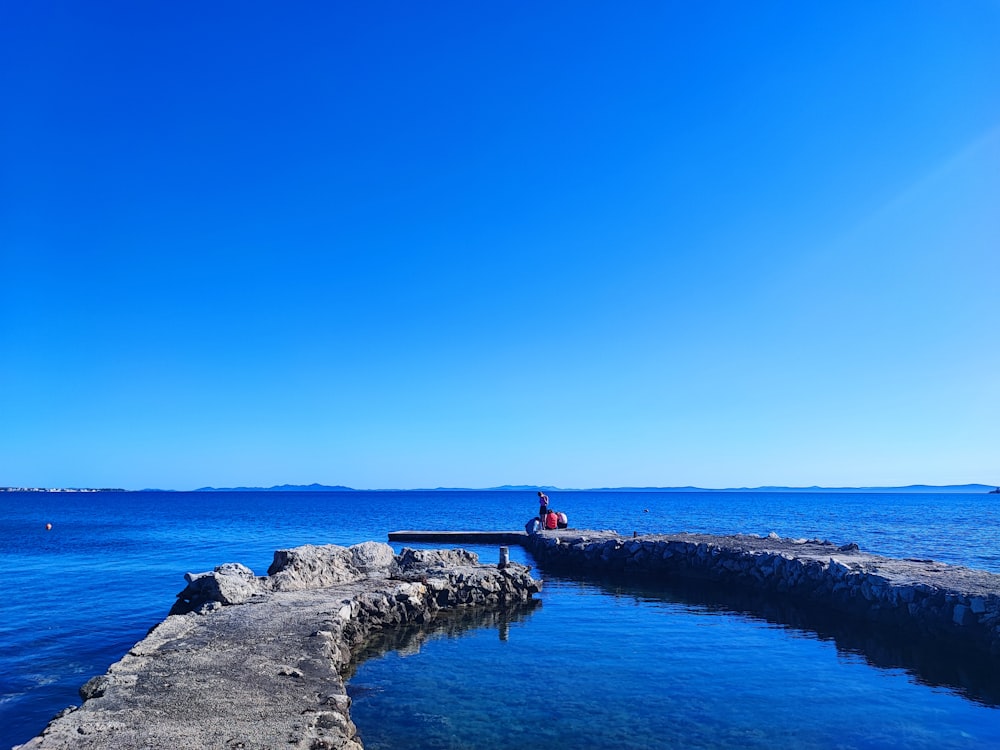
(282, 488)
(911, 488)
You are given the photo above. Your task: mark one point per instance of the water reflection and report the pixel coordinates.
(451, 623)
(933, 661)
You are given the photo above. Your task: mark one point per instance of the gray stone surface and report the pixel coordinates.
(247, 662)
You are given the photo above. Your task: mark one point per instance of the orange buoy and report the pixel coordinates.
(48, 527)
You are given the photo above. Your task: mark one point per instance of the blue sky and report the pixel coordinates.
(395, 245)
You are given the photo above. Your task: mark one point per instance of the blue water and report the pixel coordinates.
(597, 662)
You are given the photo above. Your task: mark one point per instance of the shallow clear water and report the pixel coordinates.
(638, 669)
(596, 662)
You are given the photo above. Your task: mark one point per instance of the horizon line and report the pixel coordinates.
(318, 487)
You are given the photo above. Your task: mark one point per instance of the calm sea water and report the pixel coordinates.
(596, 662)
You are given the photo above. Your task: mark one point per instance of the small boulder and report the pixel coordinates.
(228, 584)
(373, 558)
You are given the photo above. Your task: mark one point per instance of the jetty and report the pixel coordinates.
(921, 596)
(258, 663)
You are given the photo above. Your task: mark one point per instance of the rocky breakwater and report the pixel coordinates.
(256, 662)
(923, 596)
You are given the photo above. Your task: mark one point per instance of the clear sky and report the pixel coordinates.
(398, 244)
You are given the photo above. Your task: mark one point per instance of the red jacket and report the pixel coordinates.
(551, 520)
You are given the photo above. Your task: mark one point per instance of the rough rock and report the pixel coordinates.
(417, 559)
(312, 566)
(230, 583)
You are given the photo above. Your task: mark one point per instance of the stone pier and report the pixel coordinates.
(258, 662)
(923, 596)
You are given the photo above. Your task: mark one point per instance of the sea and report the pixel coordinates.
(592, 663)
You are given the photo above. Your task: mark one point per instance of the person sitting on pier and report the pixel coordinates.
(551, 520)
(563, 520)
(533, 526)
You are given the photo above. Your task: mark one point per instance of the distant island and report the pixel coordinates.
(282, 488)
(315, 487)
